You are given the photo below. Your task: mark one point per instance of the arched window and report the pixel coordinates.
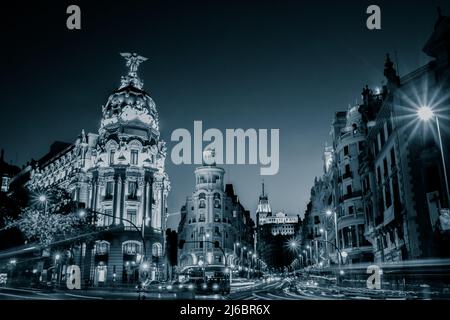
(157, 249)
(101, 247)
(217, 203)
(202, 204)
(131, 248)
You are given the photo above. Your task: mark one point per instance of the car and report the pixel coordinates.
(148, 285)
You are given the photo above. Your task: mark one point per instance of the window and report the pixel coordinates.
(201, 218)
(349, 189)
(345, 151)
(101, 248)
(157, 249)
(385, 167)
(202, 204)
(353, 236)
(109, 190)
(389, 127)
(350, 210)
(131, 248)
(202, 231)
(217, 204)
(131, 215)
(379, 175)
(132, 190)
(106, 220)
(393, 162)
(360, 146)
(5, 184)
(134, 157)
(387, 194)
(347, 169)
(217, 231)
(382, 137)
(111, 156)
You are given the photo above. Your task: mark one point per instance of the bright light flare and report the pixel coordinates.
(425, 113)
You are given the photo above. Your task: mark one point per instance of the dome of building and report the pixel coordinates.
(130, 105)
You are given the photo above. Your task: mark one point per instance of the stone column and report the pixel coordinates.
(122, 198)
(149, 182)
(115, 201)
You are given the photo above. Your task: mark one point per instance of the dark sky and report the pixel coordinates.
(233, 64)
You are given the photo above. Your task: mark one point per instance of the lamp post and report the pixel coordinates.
(425, 113)
(329, 213)
(236, 245)
(310, 253)
(43, 199)
(324, 231)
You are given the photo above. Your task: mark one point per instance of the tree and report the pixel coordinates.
(45, 223)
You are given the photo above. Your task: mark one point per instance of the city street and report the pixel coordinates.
(282, 289)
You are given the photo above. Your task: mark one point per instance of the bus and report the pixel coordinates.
(210, 279)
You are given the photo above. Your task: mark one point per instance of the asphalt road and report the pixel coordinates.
(276, 290)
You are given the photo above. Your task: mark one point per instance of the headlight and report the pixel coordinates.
(191, 286)
(215, 286)
(180, 286)
(169, 287)
(160, 287)
(204, 286)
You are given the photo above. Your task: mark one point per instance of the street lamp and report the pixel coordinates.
(43, 199)
(329, 213)
(324, 231)
(425, 113)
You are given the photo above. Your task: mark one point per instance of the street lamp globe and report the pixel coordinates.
(329, 212)
(57, 257)
(321, 230)
(42, 198)
(344, 254)
(425, 113)
(82, 213)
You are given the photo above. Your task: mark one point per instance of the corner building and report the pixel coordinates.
(119, 172)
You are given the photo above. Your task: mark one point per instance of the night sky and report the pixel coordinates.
(232, 64)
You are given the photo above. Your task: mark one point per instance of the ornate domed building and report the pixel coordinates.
(119, 177)
(214, 214)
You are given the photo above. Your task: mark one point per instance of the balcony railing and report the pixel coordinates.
(350, 195)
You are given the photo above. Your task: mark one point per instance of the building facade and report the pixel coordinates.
(407, 198)
(118, 176)
(273, 233)
(212, 214)
(348, 136)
